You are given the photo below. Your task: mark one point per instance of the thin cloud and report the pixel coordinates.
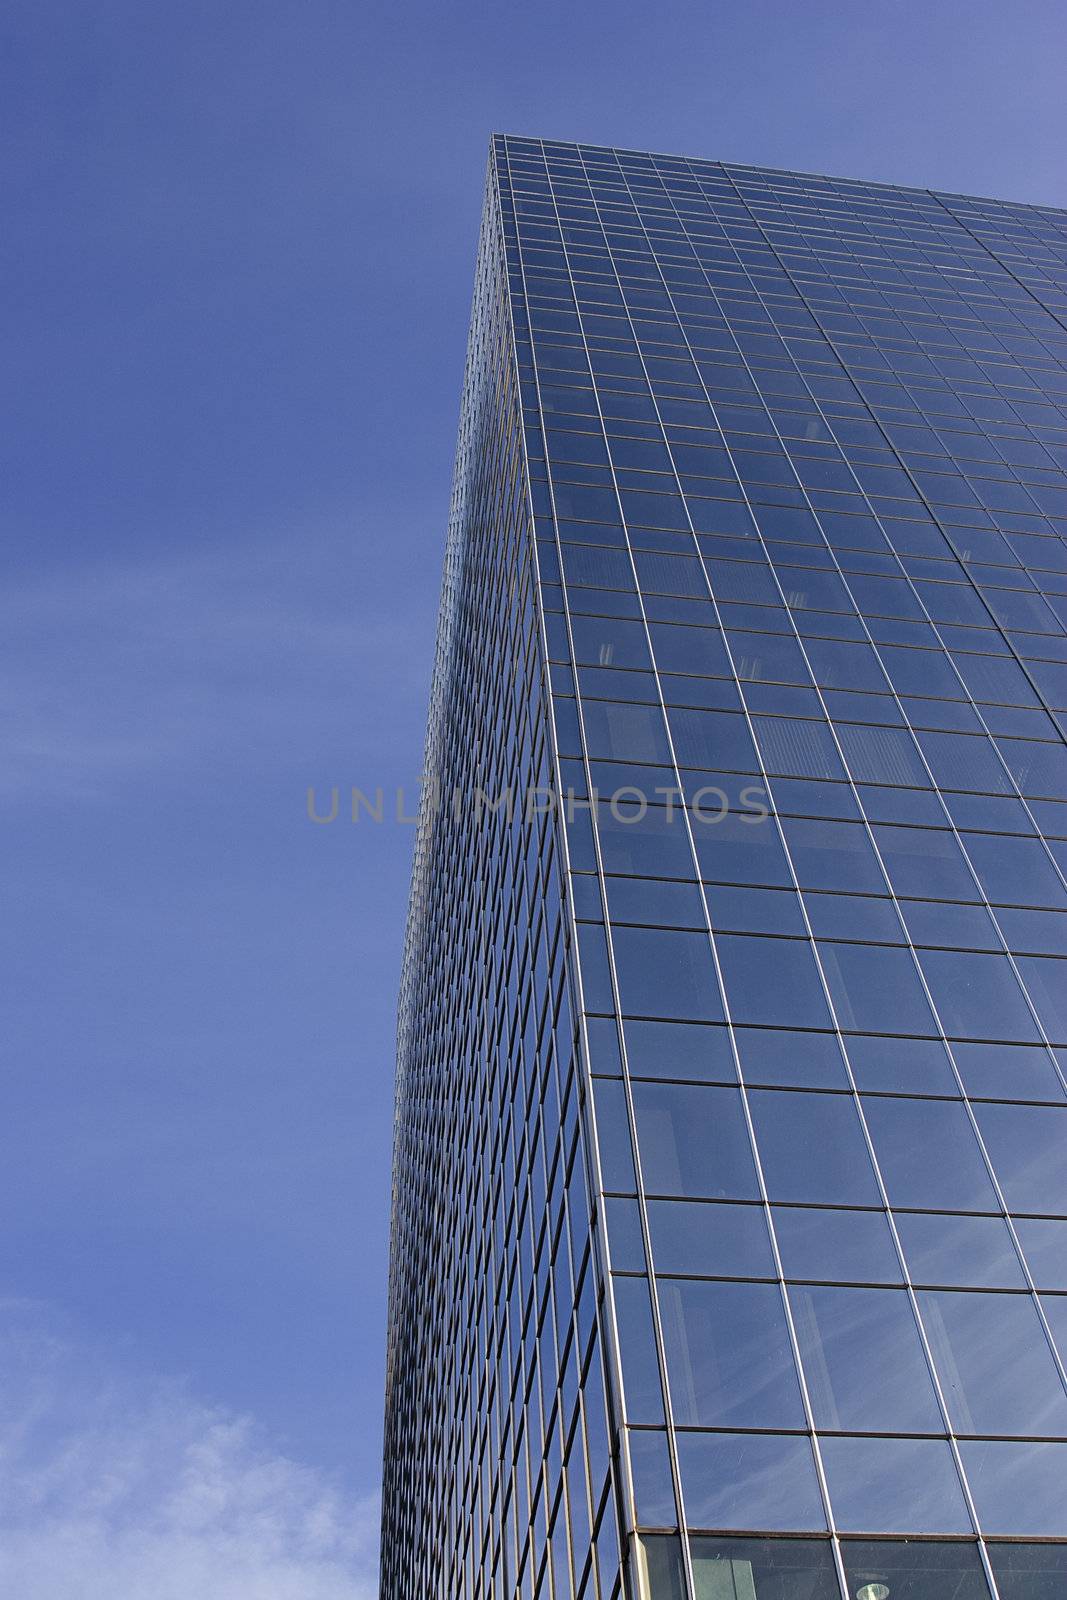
(116, 1488)
(238, 658)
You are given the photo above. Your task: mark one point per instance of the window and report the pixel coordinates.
(1029, 1571)
(1018, 1487)
(750, 1480)
(925, 861)
(928, 1155)
(923, 1570)
(679, 1050)
(666, 974)
(994, 1362)
(876, 990)
(729, 1363)
(694, 1142)
(1028, 1148)
(964, 1252)
(772, 981)
(833, 855)
(1044, 1242)
(736, 849)
(637, 1350)
(655, 844)
(977, 996)
(624, 732)
(812, 1148)
(835, 1246)
(763, 1569)
(894, 1486)
(1015, 872)
(864, 1361)
(713, 1240)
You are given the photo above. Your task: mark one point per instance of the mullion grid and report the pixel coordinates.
(1033, 1296)
(909, 941)
(743, 1088)
(591, 1148)
(854, 1096)
(608, 1305)
(1037, 832)
(833, 342)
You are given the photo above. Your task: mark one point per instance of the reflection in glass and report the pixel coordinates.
(729, 1362)
(863, 1360)
(1018, 1486)
(880, 1569)
(750, 1480)
(710, 1239)
(928, 1154)
(812, 1148)
(1029, 1571)
(994, 1362)
(836, 1246)
(763, 1569)
(964, 1252)
(694, 1142)
(894, 1486)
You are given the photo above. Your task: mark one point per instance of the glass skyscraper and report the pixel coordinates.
(729, 1253)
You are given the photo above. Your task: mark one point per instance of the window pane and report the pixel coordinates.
(694, 1142)
(812, 1148)
(650, 1464)
(1044, 1242)
(666, 974)
(921, 1570)
(772, 981)
(833, 855)
(977, 996)
(864, 1361)
(679, 1050)
(728, 1357)
(763, 1569)
(661, 1558)
(1028, 1148)
(637, 1346)
(894, 1486)
(655, 843)
(836, 1246)
(701, 1238)
(1018, 1487)
(876, 990)
(794, 1060)
(994, 1362)
(928, 1154)
(969, 1252)
(748, 1480)
(1029, 1571)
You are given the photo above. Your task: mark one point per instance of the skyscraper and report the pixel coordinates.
(729, 1253)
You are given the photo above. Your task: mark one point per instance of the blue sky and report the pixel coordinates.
(237, 260)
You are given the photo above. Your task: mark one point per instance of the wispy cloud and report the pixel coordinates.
(240, 657)
(118, 1488)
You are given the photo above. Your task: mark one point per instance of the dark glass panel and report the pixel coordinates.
(763, 1569)
(880, 1569)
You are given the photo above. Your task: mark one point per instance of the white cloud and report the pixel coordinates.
(114, 1488)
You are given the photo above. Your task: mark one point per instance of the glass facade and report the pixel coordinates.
(730, 1204)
